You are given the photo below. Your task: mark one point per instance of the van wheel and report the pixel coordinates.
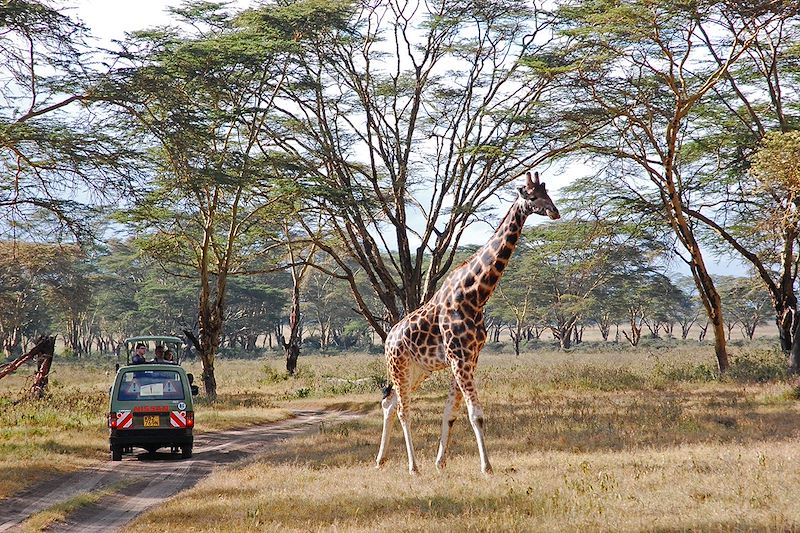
(116, 454)
(186, 452)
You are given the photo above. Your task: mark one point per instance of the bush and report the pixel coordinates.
(272, 376)
(375, 349)
(758, 366)
(312, 343)
(235, 352)
(702, 372)
(571, 376)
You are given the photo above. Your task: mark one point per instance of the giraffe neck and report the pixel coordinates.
(490, 261)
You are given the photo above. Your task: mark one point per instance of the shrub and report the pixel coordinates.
(236, 352)
(272, 376)
(571, 376)
(691, 372)
(758, 366)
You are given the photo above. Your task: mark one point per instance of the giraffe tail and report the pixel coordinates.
(387, 390)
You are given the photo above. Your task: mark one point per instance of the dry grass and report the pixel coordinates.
(701, 487)
(598, 442)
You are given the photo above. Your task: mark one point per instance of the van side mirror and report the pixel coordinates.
(190, 376)
(195, 390)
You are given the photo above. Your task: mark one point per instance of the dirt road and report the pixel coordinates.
(142, 481)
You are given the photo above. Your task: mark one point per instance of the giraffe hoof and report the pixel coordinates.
(488, 471)
(414, 472)
(440, 465)
(379, 463)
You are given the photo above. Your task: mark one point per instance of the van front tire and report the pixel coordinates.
(116, 454)
(186, 452)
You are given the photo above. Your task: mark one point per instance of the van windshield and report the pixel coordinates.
(150, 385)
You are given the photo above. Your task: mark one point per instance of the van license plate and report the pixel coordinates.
(152, 421)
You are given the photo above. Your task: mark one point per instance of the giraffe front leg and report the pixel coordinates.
(388, 404)
(451, 408)
(464, 374)
(464, 377)
(476, 419)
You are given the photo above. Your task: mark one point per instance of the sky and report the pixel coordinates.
(110, 19)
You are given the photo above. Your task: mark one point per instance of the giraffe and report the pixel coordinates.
(448, 332)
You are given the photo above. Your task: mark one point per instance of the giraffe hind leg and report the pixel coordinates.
(451, 407)
(407, 384)
(389, 404)
(402, 415)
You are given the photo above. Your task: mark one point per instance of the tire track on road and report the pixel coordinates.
(145, 481)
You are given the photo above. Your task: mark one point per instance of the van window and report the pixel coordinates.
(150, 385)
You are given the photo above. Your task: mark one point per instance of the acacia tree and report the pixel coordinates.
(764, 228)
(324, 303)
(754, 109)
(567, 265)
(748, 302)
(23, 310)
(255, 304)
(201, 94)
(61, 164)
(68, 292)
(640, 68)
(514, 303)
(298, 269)
(405, 124)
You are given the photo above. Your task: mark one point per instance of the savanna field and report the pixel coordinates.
(600, 439)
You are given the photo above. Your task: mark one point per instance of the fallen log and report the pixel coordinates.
(44, 343)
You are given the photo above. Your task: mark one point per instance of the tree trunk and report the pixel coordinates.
(209, 341)
(564, 335)
(45, 360)
(516, 337)
(292, 346)
(605, 326)
(703, 331)
(636, 330)
(794, 353)
(713, 304)
(292, 352)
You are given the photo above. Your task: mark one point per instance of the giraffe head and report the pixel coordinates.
(536, 198)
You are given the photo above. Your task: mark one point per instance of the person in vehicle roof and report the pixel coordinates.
(139, 354)
(159, 351)
(168, 357)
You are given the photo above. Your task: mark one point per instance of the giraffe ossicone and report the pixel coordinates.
(448, 332)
